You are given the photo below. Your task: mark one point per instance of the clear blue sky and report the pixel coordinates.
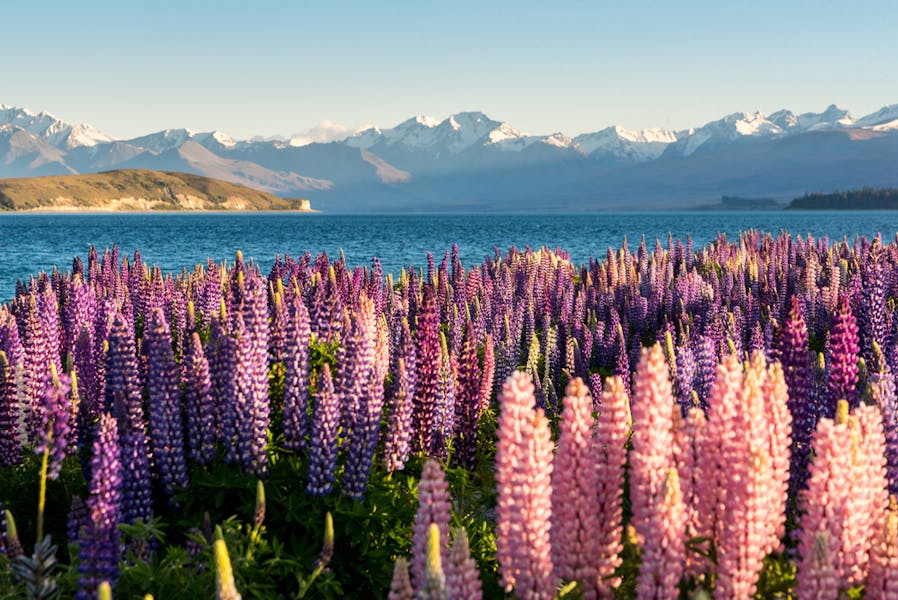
(277, 67)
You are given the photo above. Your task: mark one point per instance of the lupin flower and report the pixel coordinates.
(401, 585)
(56, 415)
(882, 577)
(427, 355)
(98, 554)
(225, 587)
(575, 503)
(433, 508)
(462, 576)
(399, 427)
(612, 431)
(123, 396)
(843, 351)
(434, 587)
(793, 354)
(250, 403)
(523, 480)
(664, 550)
(323, 442)
(199, 406)
(296, 375)
(164, 404)
(10, 446)
(467, 401)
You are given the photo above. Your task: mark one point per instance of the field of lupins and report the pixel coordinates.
(664, 423)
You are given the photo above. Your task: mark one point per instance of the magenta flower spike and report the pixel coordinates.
(843, 351)
(523, 479)
(462, 576)
(427, 353)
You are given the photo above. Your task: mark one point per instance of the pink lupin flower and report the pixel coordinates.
(659, 516)
(822, 523)
(462, 576)
(433, 507)
(653, 440)
(866, 505)
(882, 575)
(612, 430)
(665, 549)
(523, 480)
(779, 420)
(574, 500)
(744, 529)
(688, 434)
(401, 586)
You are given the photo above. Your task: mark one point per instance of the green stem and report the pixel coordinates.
(42, 494)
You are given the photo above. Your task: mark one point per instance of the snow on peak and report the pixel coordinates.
(625, 144)
(884, 119)
(44, 125)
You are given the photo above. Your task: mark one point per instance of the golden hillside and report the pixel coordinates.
(137, 190)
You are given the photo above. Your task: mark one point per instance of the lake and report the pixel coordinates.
(33, 242)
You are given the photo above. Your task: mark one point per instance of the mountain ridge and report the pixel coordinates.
(469, 160)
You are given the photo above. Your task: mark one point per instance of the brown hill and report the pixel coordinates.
(137, 190)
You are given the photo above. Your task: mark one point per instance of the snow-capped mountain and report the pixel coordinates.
(49, 128)
(470, 160)
(617, 143)
(885, 119)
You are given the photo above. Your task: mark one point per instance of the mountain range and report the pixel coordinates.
(469, 161)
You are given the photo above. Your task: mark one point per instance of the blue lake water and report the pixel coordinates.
(33, 242)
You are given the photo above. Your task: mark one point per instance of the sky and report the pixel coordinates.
(266, 67)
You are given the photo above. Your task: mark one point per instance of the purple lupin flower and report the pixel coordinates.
(85, 365)
(56, 420)
(253, 410)
(794, 356)
(296, 374)
(98, 554)
(467, 401)
(842, 355)
(199, 406)
(10, 443)
(123, 395)
(364, 418)
(427, 338)
(882, 392)
(399, 427)
(462, 576)
(164, 404)
(323, 443)
(223, 375)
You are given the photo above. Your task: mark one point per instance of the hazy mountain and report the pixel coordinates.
(470, 161)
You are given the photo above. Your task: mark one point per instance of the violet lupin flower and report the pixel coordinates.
(10, 445)
(223, 375)
(123, 396)
(793, 354)
(427, 355)
(397, 445)
(250, 408)
(523, 480)
(467, 401)
(56, 419)
(401, 585)
(842, 355)
(98, 554)
(199, 406)
(575, 503)
(434, 505)
(882, 392)
(323, 442)
(296, 375)
(164, 404)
